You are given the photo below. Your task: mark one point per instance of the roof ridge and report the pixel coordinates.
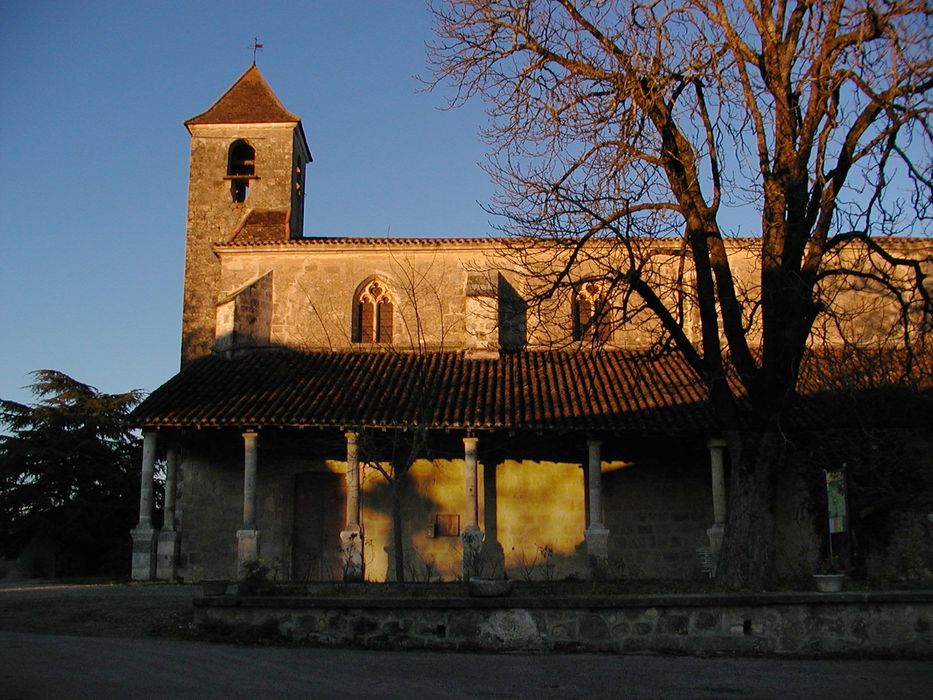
(380, 240)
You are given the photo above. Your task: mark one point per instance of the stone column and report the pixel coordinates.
(248, 535)
(144, 535)
(716, 447)
(167, 558)
(351, 537)
(470, 535)
(597, 535)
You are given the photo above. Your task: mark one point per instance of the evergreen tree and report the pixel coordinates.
(69, 474)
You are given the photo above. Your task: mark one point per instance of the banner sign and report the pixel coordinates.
(836, 501)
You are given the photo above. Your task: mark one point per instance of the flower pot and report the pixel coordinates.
(481, 587)
(829, 583)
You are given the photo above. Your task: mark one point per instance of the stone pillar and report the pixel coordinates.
(248, 535)
(471, 536)
(716, 447)
(471, 511)
(351, 537)
(597, 535)
(144, 535)
(171, 486)
(167, 559)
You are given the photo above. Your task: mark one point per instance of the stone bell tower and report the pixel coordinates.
(248, 157)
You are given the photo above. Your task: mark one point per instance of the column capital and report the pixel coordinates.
(715, 442)
(250, 434)
(594, 443)
(470, 441)
(351, 436)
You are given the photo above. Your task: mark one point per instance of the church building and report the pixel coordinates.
(541, 443)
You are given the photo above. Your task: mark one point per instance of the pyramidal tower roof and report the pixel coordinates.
(250, 100)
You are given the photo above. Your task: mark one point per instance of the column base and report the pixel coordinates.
(351, 551)
(715, 544)
(144, 553)
(472, 553)
(247, 547)
(597, 550)
(167, 554)
(597, 541)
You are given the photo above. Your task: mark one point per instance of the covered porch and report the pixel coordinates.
(534, 466)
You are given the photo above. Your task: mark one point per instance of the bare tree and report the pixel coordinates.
(624, 134)
(392, 452)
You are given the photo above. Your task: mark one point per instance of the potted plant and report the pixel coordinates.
(255, 578)
(830, 576)
(488, 580)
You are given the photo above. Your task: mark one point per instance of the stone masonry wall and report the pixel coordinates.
(811, 624)
(314, 287)
(430, 285)
(246, 318)
(213, 215)
(209, 509)
(541, 517)
(657, 509)
(534, 528)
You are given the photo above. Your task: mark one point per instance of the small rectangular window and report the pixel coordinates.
(447, 525)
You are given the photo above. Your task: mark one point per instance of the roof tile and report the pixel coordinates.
(249, 100)
(620, 391)
(262, 226)
(530, 390)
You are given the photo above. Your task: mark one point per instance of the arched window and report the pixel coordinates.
(241, 168)
(591, 317)
(373, 314)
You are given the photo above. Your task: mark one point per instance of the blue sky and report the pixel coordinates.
(95, 157)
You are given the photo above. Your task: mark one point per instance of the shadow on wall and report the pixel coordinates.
(657, 513)
(425, 558)
(533, 523)
(513, 317)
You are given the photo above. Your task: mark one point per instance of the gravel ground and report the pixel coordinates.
(97, 610)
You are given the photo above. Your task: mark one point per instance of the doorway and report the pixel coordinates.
(320, 505)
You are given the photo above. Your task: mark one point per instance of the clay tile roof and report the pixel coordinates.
(262, 226)
(520, 391)
(249, 101)
(385, 242)
(617, 391)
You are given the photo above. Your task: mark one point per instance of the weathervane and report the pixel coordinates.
(255, 47)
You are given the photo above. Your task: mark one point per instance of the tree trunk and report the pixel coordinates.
(398, 553)
(747, 559)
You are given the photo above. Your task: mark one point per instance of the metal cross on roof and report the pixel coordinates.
(255, 47)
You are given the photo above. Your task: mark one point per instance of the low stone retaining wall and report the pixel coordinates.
(808, 624)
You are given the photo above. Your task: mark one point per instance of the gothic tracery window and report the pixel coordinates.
(374, 312)
(591, 317)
